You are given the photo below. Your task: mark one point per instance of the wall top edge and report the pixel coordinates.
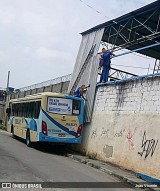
(135, 78)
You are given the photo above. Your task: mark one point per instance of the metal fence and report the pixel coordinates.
(47, 83)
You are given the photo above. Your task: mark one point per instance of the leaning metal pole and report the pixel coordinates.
(138, 49)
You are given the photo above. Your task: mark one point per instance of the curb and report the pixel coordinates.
(5, 132)
(122, 178)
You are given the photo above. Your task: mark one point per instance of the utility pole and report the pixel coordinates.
(7, 90)
(7, 99)
(8, 80)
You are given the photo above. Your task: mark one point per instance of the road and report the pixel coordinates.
(20, 163)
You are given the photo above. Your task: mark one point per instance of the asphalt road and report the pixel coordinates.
(18, 163)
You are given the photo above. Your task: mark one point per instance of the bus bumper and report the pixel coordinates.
(45, 138)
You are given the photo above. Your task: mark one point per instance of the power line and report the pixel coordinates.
(136, 54)
(93, 9)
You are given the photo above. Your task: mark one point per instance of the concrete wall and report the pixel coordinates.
(58, 88)
(125, 127)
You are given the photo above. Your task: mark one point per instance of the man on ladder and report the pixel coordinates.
(105, 61)
(81, 91)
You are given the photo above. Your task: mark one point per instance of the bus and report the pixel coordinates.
(47, 117)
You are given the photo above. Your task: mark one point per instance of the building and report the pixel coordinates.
(2, 104)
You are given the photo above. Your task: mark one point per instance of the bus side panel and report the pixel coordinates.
(59, 130)
(32, 126)
(17, 125)
(21, 125)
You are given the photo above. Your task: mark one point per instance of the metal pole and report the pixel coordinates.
(7, 99)
(8, 80)
(138, 49)
(7, 90)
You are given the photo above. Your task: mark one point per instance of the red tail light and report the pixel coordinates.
(79, 131)
(44, 128)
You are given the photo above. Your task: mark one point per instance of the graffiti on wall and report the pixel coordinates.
(104, 132)
(148, 146)
(120, 133)
(130, 136)
(94, 133)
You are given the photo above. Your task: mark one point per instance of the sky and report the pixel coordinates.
(40, 39)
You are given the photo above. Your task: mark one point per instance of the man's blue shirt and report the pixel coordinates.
(77, 92)
(106, 58)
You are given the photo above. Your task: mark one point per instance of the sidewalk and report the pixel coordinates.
(123, 175)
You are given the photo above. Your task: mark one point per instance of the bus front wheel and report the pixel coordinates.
(28, 141)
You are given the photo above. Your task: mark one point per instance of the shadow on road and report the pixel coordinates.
(51, 148)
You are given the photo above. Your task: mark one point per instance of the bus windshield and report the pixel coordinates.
(63, 106)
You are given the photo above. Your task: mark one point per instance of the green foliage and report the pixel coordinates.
(3, 127)
(92, 155)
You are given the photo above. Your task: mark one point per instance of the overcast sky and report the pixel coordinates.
(39, 39)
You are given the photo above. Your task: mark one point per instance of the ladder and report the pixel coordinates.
(156, 67)
(82, 69)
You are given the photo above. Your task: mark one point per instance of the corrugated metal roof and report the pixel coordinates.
(138, 12)
(142, 15)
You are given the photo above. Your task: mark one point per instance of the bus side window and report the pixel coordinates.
(34, 109)
(27, 109)
(37, 109)
(10, 106)
(20, 110)
(16, 109)
(13, 109)
(24, 109)
(31, 109)
(12, 113)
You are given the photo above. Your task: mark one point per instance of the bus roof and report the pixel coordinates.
(37, 96)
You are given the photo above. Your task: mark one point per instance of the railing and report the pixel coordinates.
(117, 74)
(47, 83)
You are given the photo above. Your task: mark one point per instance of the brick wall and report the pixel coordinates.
(125, 127)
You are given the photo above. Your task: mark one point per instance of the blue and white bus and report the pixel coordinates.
(47, 117)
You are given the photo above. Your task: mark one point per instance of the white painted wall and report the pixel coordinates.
(125, 128)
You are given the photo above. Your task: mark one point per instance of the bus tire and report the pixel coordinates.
(28, 141)
(12, 131)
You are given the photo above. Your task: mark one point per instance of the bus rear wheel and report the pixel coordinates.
(28, 141)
